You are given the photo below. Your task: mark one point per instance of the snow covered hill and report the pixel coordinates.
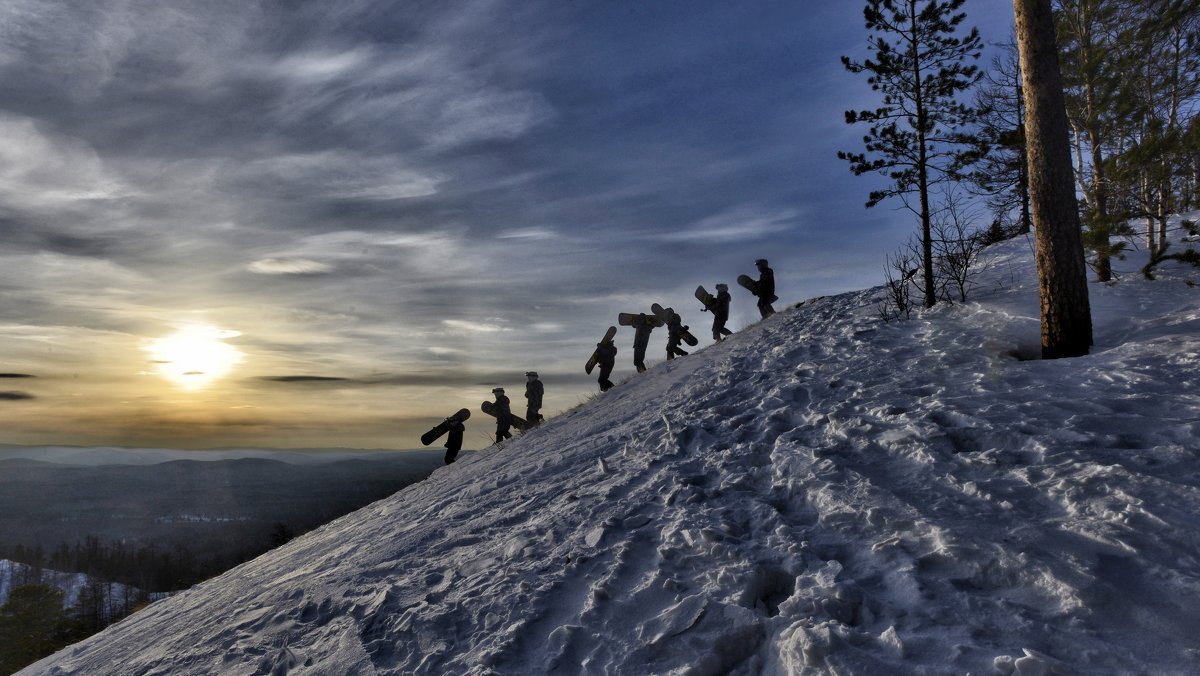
(822, 492)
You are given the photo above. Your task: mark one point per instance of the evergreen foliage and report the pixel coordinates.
(34, 624)
(921, 135)
(1002, 175)
(1131, 71)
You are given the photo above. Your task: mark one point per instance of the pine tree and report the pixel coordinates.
(1002, 174)
(1159, 85)
(920, 135)
(33, 624)
(1062, 273)
(1093, 37)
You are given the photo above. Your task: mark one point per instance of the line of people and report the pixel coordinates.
(606, 354)
(763, 288)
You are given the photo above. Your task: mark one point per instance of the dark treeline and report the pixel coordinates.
(150, 568)
(33, 624)
(120, 580)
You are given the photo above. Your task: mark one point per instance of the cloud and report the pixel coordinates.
(288, 266)
(16, 396)
(489, 114)
(40, 169)
(445, 351)
(473, 327)
(304, 379)
(318, 67)
(443, 377)
(540, 234)
(739, 224)
(341, 174)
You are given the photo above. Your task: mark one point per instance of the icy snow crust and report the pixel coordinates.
(822, 493)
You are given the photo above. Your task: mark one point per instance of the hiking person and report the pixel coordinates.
(720, 310)
(766, 288)
(641, 338)
(454, 438)
(674, 334)
(503, 415)
(533, 396)
(608, 359)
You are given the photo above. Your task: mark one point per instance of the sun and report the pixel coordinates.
(195, 356)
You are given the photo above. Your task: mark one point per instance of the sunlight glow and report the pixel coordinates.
(195, 356)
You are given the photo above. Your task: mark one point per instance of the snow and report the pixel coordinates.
(822, 492)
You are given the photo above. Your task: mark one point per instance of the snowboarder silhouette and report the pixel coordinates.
(720, 310)
(533, 395)
(766, 288)
(674, 334)
(608, 359)
(454, 431)
(503, 415)
(641, 338)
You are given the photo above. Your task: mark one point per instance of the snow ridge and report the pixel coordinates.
(822, 492)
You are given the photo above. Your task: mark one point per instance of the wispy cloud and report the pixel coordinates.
(338, 174)
(40, 169)
(462, 325)
(304, 379)
(288, 266)
(740, 224)
(540, 234)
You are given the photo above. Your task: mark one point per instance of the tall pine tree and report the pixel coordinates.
(920, 136)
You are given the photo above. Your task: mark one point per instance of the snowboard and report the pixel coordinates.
(663, 315)
(628, 319)
(608, 338)
(441, 428)
(706, 299)
(748, 282)
(489, 407)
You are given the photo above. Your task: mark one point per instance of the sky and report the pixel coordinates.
(312, 224)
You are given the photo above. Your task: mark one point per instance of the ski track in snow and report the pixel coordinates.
(820, 493)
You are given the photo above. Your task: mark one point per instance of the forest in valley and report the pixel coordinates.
(85, 546)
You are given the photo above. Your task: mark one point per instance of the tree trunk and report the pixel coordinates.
(922, 167)
(1062, 272)
(1023, 175)
(1099, 191)
(1151, 240)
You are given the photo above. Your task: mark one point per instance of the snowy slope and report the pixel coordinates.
(820, 493)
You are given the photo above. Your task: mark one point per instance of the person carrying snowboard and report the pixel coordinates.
(454, 431)
(720, 310)
(533, 396)
(503, 415)
(641, 339)
(674, 331)
(766, 288)
(608, 359)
